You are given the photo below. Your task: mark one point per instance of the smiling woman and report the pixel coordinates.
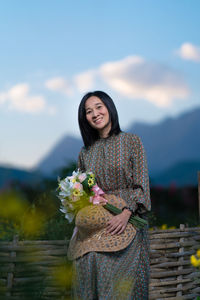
(118, 161)
(97, 116)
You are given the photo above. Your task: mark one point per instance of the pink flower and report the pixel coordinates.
(82, 177)
(78, 186)
(98, 192)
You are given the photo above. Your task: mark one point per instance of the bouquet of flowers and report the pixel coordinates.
(80, 190)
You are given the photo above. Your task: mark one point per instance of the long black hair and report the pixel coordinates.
(89, 134)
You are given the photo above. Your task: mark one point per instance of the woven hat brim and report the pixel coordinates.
(100, 242)
(92, 235)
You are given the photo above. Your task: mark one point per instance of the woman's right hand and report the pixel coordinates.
(98, 200)
(102, 200)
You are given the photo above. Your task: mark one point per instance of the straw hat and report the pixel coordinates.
(91, 235)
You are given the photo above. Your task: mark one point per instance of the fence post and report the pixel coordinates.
(180, 260)
(199, 191)
(10, 275)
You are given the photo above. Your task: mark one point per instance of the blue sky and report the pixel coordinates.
(145, 54)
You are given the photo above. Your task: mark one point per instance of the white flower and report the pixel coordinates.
(75, 174)
(64, 185)
(64, 194)
(63, 200)
(63, 210)
(69, 217)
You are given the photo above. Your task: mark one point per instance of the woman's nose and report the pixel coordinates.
(95, 113)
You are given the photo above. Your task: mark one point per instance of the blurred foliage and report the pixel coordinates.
(62, 275)
(174, 206)
(32, 211)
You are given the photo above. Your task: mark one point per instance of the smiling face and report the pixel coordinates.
(97, 116)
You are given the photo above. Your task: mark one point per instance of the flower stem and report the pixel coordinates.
(134, 220)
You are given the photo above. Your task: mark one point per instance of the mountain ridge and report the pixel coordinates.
(170, 141)
(8, 175)
(65, 151)
(168, 144)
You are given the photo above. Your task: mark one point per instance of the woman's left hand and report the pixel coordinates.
(118, 223)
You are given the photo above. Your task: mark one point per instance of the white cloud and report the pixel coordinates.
(189, 51)
(85, 81)
(135, 78)
(18, 98)
(132, 77)
(59, 84)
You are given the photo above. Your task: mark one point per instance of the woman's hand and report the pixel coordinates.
(102, 200)
(118, 223)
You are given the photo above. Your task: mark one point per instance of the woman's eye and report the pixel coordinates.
(88, 112)
(99, 106)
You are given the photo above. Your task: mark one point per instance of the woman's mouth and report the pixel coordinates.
(98, 121)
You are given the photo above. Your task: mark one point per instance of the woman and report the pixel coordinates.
(118, 161)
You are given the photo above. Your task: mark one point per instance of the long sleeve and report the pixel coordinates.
(80, 162)
(140, 198)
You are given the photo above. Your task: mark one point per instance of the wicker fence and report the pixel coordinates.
(172, 276)
(27, 268)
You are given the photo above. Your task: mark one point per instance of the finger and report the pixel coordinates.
(102, 203)
(103, 200)
(122, 230)
(116, 230)
(112, 227)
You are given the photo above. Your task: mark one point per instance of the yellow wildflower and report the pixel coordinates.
(32, 223)
(76, 193)
(63, 275)
(194, 261)
(198, 253)
(90, 182)
(164, 227)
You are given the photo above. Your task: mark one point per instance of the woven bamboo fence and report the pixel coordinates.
(27, 267)
(172, 276)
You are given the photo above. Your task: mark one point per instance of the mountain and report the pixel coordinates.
(64, 152)
(169, 145)
(181, 174)
(172, 147)
(170, 141)
(9, 175)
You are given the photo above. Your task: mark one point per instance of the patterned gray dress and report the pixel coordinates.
(120, 168)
